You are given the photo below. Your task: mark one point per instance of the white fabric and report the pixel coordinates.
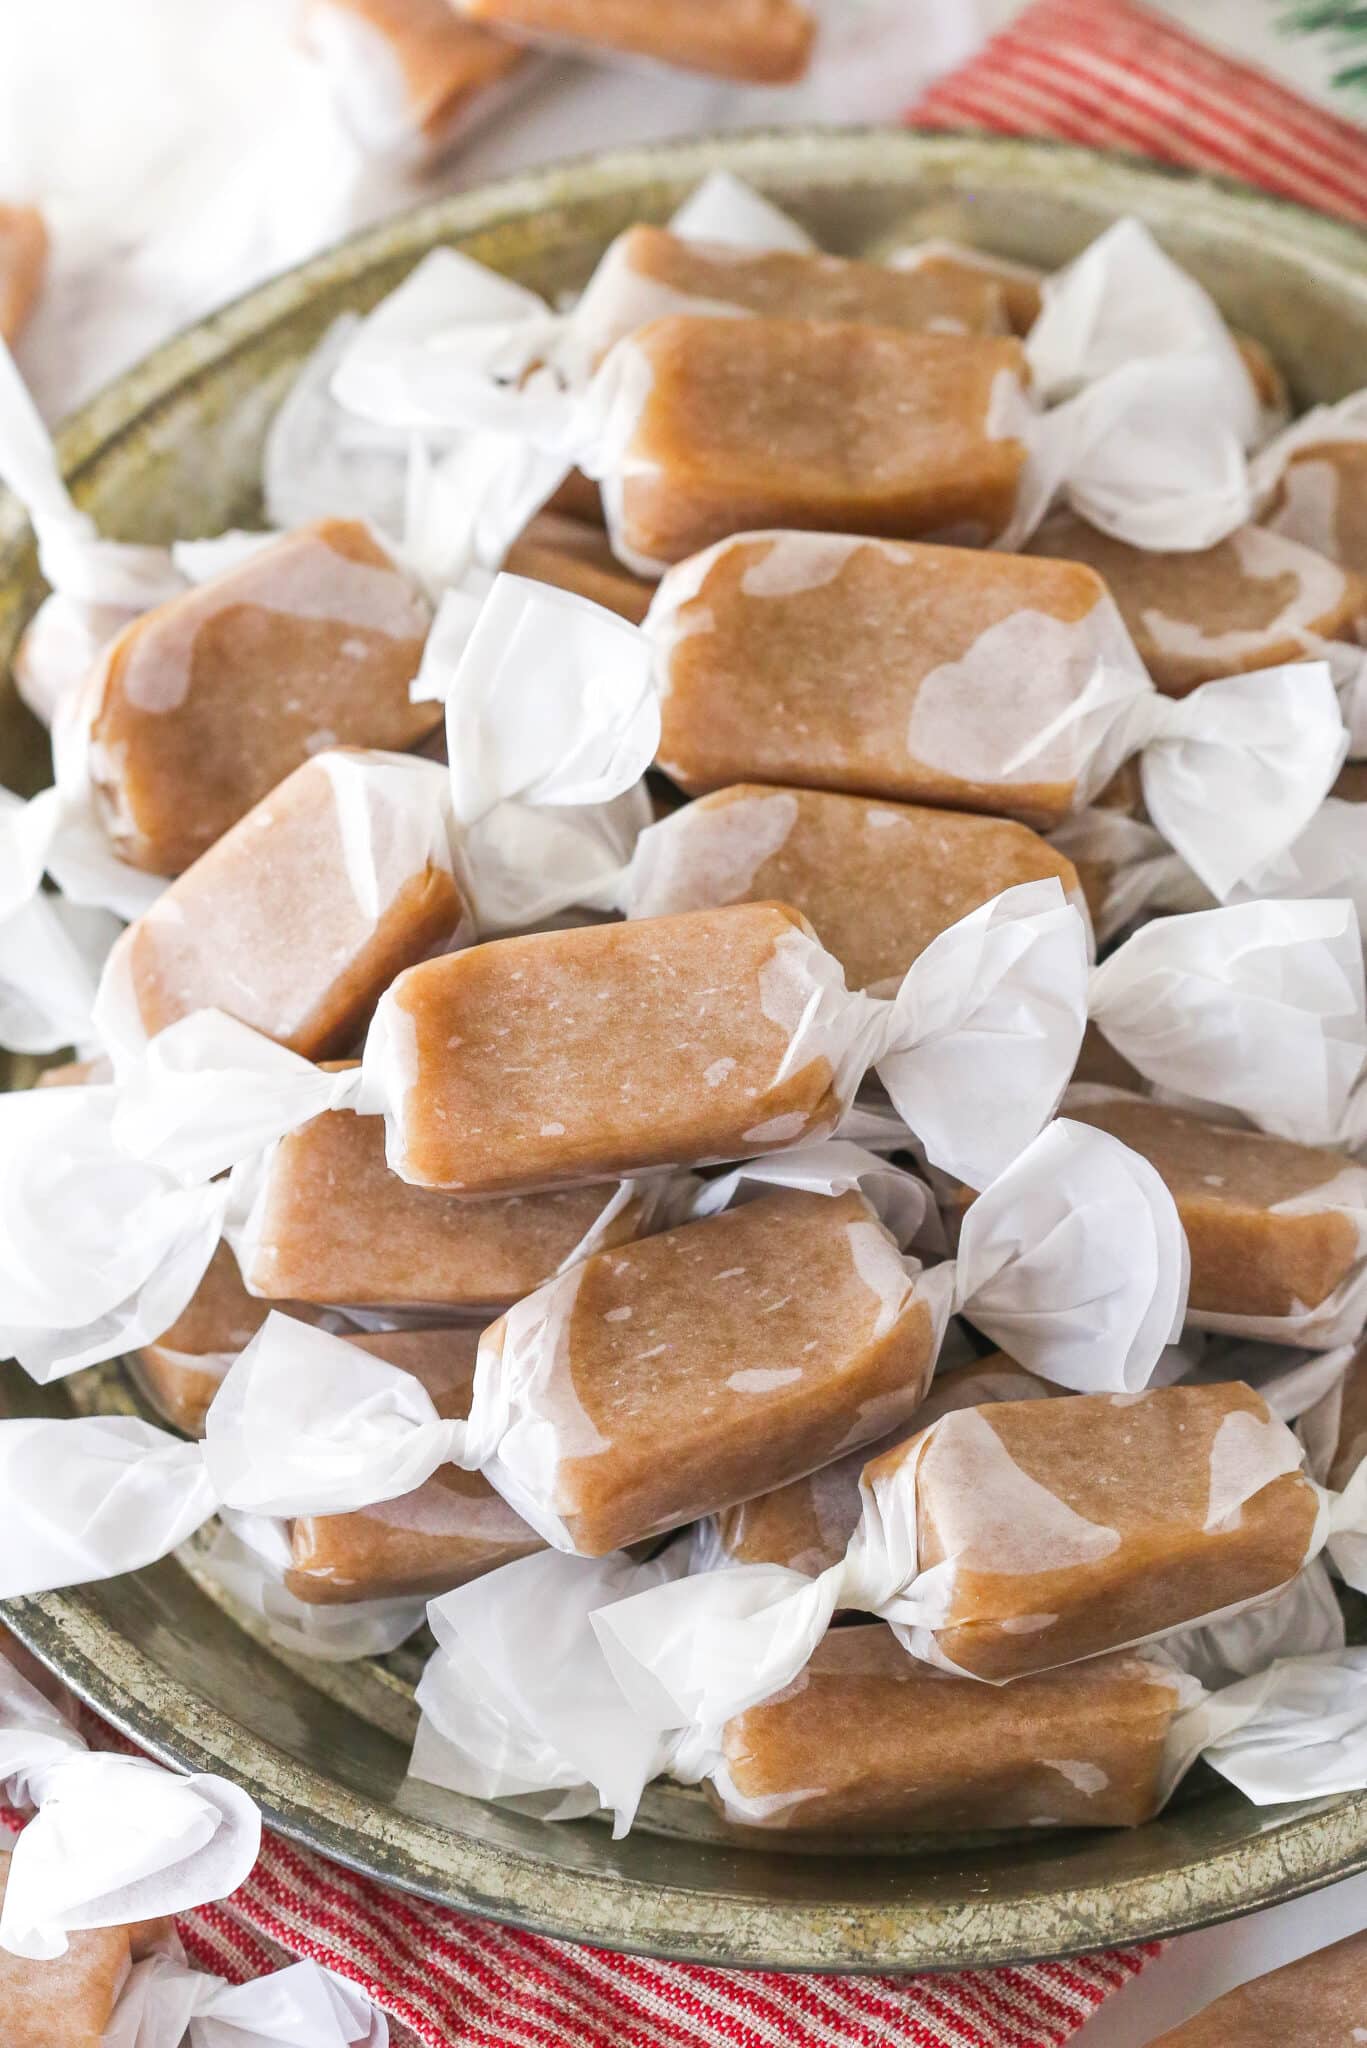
(115, 1838)
(166, 2004)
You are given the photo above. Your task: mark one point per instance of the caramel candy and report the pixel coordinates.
(867, 1741)
(578, 497)
(604, 1050)
(816, 424)
(958, 266)
(1260, 1244)
(23, 259)
(274, 923)
(709, 1363)
(561, 549)
(650, 272)
(807, 1524)
(844, 664)
(877, 881)
(1252, 601)
(1082, 1524)
(182, 1371)
(1320, 2000)
(766, 41)
(1351, 785)
(332, 1224)
(1322, 501)
(409, 74)
(67, 2001)
(201, 706)
(1350, 1445)
(451, 1529)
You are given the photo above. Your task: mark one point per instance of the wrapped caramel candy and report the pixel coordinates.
(1320, 1997)
(565, 551)
(766, 41)
(23, 259)
(66, 2001)
(183, 1370)
(409, 76)
(956, 265)
(1276, 1229)
(1310, 482)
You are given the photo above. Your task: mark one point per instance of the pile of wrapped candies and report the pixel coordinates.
(720, 1007)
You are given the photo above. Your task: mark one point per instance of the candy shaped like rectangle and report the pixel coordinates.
(202, 705)
(766, 41)
(409, 75)
(866, 1741)
(1276, 1229)
(573, 554)
(64, 2001)
(877, 881)
(445, 1532)
(326, 1221)
(301, 915)
(23, 260)
(813, 424)
(708, 1363)
(957, 266)
(1253, 601)
(183, 1370)
(1321, 1997)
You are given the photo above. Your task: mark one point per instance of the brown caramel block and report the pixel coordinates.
(1084, 1523)
(335, 1226)
(1351, 1446)
(1228, 1184)
(599, 1051)
(843, 664)
(23, 260)
(440, 66)
(1351, 786)
(562, 550)
(712, 1362)
(868, 1741)
(66, 2002)
(1017, 284)
(578, 497)
(766, 41)
(878, 881)
(268, 927)
(452, 1528)
(1322, 500)
(1319, 2001)
(807, 1524)
(183, 1370)
(650, 271)
(203, 705)
(817, 424)
(76, 1074)
(1252, 601)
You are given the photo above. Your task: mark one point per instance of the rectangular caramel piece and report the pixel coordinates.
(709, 1363)
(201, 706)
(819, 424)
(869, 1742)
(183, 1370)
(603, 1050)
(68, 2000)
(831, 662)
(877, 881)
(1085, 1523)
(334, 1225)
(451, 1529)
(560, 549)
(23, 260)
(1228, 1184)
(1319, 2000)
(1250, 602)
(806, 1526)
(1322, 501)
(768, 42)
(1018, 283)
(416, 52)
(268, 926)
(1350, 1447)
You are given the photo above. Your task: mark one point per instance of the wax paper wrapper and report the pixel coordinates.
(1300, 497)
(115, 1838)
(164, 2002)
(247, 1556)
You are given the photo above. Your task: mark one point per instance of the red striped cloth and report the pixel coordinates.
(1115, 75)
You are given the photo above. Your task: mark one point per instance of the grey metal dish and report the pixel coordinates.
(172, 449)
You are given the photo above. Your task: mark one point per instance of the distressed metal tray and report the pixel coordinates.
(171, 449)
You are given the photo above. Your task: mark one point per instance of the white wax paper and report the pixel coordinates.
(248, 1556)
(164, 2002)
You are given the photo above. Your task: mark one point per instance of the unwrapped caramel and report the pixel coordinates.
(1250, 602)
(720, 1359)
(766, 41)
(301, 915)
(23, 259)
(448, 1530)
(201, 706)
(877, 881)
(817, 424)
(866, 1741)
